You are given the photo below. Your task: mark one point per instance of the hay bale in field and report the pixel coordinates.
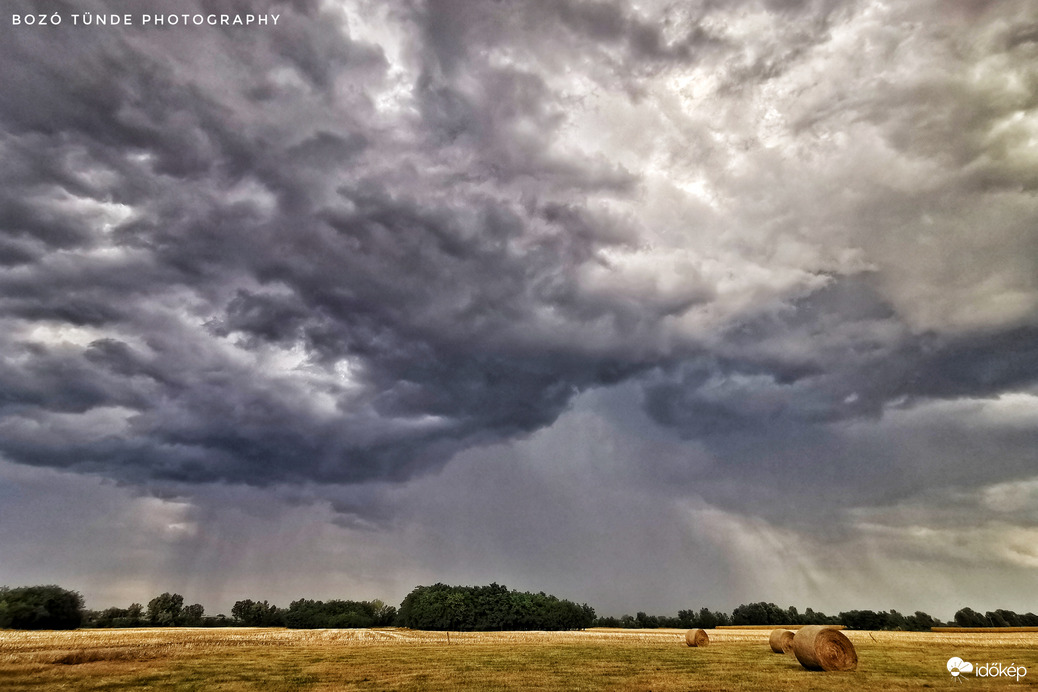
(696, 638)
(781, 641)
(818, 647)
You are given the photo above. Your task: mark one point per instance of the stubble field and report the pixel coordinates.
(400, 659)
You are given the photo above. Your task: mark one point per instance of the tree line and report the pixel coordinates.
(441, 607)
(168, 610)
(762, 613)
(490, 608)
(967, 617)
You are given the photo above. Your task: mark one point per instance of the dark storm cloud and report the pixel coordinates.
(456, 27)
(840, 422)
(314, 253)
(861, 360)
(193, 232)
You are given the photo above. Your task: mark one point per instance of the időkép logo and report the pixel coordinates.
(957, 667)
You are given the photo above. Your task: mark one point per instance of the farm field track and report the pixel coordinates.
(400, 659)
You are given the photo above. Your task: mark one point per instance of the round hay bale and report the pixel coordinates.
(696, 638)
(781, 641)
(819, 647)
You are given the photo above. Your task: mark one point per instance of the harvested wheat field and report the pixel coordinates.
(399, 659)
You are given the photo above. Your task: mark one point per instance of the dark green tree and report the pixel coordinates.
(192, 615)
(134, 615)
(47, 607)
(310, 614)
(863, 620)
(759, 614)
(257, 614)
(706, 619)
(996, 619)
(646, 621)
(920, 622)
(383, 614)
(164, 610)
(1007, 616)
(967, 617)
(812, 617)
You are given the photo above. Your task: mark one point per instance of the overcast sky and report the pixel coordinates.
(653, 305)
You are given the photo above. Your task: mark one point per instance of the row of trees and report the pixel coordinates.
(967, 617)
(443, 607)
(168, 610)
(490, 608)
(307, 614)
(762, 613)
(889, 620)
(165, 610)
(686, 619)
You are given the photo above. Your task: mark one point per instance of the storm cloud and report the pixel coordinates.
(775, 249)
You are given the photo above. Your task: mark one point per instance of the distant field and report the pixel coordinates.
(399, 659)
(769, 627)
(985, 630)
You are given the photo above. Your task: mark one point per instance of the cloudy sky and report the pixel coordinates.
(651, 305)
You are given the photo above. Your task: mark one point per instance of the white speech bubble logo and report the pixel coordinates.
(956, 666)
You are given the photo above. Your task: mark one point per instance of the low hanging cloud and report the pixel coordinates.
(346, 247)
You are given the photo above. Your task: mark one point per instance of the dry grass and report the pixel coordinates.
(398, 659)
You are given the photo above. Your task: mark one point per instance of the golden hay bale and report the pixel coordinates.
(781, 641)
(696, 638)
(818, 647)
